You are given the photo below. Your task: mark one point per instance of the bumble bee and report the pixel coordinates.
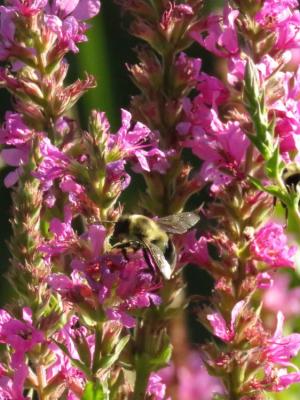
(152, 236)
(291, 176)
(291, 179)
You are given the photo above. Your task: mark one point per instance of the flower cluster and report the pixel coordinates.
(245, 130)
(80, 298)
(90, 314)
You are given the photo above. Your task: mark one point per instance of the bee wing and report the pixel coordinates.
(159, 259)
(178, 223)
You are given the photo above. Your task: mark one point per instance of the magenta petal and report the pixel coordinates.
(27, 314)
(126, 119)
(19, 380)
(279, 327)
(11, 178)
(235, 313)
(286, 380)
(66, 7)
(97, 236)
(117, 315)
(13, 157)
(86, 9)
(218, 324)
(60, 282)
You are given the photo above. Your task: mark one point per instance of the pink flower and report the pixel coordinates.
(211, 90)
(15, 133)
(194, 250)
(130, 138)
(223, 148)
(264, 280)
(20, 335)
(66, 20)
(132, 285)
(114, 314)
(156, 387)
(79, 9)
(270, 246)
(92, 243)
(68, 33)
(219, 325)
(218, 34)
(192, 379)
(118, 284)
(64, 237)
(28, 8)
(280, 349)
(152, 160)
(280, 297)
(265, 68)
(282, 19)
(7, 33)
(187, 70)
(116, 175)
(53, 166)
(56, 165)
(131, 143)
(13, 387)
(63, 371)
(284, 380)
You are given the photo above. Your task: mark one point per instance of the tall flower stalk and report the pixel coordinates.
(164, 75)
(245, 132)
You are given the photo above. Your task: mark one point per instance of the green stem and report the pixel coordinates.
(294, 222)
(141, 382)
(97, 351)
(42, 382)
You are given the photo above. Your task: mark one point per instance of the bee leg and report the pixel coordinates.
(135, 245)
(125, 254)
(148, 260)
(170, 254)
(123, 246)
(286, 213)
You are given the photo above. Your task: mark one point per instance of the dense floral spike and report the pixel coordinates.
(246, 128)
(34, 38)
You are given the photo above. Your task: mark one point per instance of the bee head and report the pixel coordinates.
(122, 227)
(291, 176)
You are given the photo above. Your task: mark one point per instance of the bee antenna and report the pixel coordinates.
(200, 208)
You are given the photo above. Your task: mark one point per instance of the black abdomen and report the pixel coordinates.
(170, 253)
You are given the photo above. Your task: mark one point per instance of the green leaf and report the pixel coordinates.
(257, 183)
(274, 164)
(254, 99)
(252, 89)
(162, 359)
(277, 192)
(271, 189)
(260, 145)
(108, 360)
(94, 391)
